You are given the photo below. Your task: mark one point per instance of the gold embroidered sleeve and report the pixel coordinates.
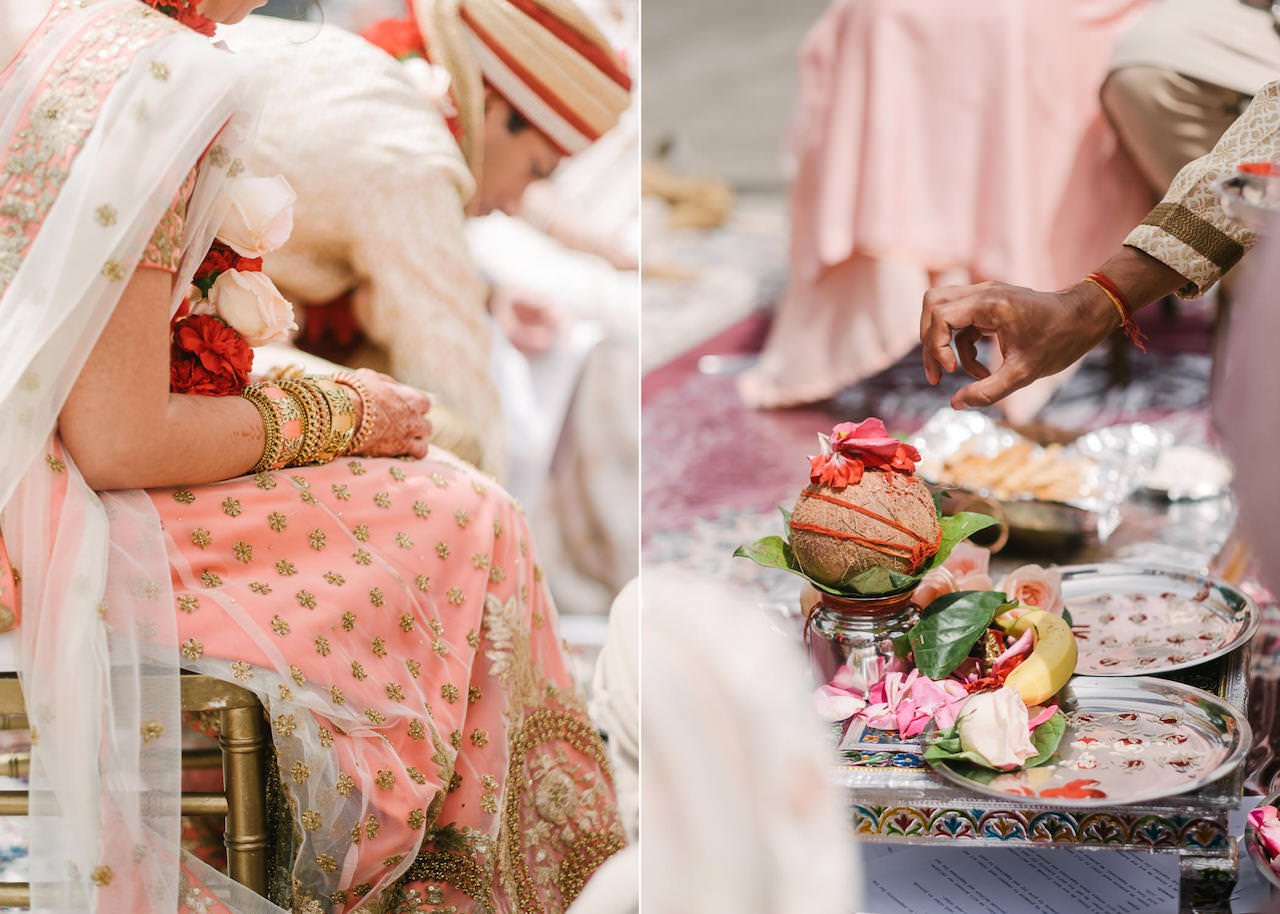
(1188, 230)
(164, 250)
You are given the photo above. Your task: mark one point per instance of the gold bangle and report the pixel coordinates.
(369, 413)
(315, 408)
(291, 410)
(274, 443)
(342, 414)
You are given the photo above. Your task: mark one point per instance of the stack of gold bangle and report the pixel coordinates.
(342, 420)
(308, 420)
(369, 414)
(274, 446)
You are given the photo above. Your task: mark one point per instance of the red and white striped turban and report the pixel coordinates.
(545, 57)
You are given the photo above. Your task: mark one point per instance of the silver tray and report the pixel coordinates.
(1132, 620)
(1127, 741)
(1122, 457)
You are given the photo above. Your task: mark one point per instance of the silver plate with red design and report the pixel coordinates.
(1131, 621)
(1127, 741)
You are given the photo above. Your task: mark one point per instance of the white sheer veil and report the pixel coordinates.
(99, 651)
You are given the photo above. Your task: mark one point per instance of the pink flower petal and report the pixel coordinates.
(845, 679)
(1023, 646)
(945, 716)
(833, 704)
(1044, 715)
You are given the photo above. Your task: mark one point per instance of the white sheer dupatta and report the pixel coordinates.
(99, 648)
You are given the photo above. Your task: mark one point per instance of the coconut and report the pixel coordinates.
(833, 560)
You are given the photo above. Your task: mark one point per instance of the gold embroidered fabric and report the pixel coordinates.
(164, 250)
(61, 114)
(1188, 230)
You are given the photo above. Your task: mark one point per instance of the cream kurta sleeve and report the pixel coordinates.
(1188, 230)
(422, 299)
(381, 188)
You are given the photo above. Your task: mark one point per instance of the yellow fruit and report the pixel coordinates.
(1052, 661)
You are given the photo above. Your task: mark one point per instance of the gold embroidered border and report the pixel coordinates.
(460, 871)
(583, 858)
(1202, 236)
(542, 726)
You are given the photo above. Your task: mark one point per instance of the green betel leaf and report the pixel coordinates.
(1046, 738)
(950, 626)
(771, 552)
(775, 552)
(956, 529)
(878, 580)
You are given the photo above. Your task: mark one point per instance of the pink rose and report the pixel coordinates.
(942, 581)
(966, 559)
(260, 215)
(993, 725)
(1032, 585)
(1266, 821)
(934, 584)
(252, 306)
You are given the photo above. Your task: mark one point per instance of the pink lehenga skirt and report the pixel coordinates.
(390, 613)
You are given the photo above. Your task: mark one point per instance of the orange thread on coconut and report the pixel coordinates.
(917, 553)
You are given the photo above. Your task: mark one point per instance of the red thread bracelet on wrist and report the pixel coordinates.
(1127, 323)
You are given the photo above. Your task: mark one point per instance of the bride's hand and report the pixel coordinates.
(401, 423)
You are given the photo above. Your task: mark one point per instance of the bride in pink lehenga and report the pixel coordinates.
(385, 605)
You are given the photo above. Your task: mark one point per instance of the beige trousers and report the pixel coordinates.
(1165, 119)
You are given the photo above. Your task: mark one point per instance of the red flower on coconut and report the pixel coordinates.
(854, 446)
(208, 357)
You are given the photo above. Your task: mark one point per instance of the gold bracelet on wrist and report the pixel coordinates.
(315, 408)
(274, 444)
(369, 413)
(342, 414)
(293, 420)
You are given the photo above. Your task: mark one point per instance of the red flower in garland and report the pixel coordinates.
(185, 12)
(208, 357)
(222, 257)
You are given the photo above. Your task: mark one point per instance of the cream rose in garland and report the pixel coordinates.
(232, 305)
(259, 215)
(251, 305)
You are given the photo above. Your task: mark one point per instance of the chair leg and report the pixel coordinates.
(243, 741)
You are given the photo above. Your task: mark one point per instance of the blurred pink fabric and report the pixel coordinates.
(940, 141)
(1247, 376)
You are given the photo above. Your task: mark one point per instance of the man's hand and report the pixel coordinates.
(532, 324)
(1039, 334)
